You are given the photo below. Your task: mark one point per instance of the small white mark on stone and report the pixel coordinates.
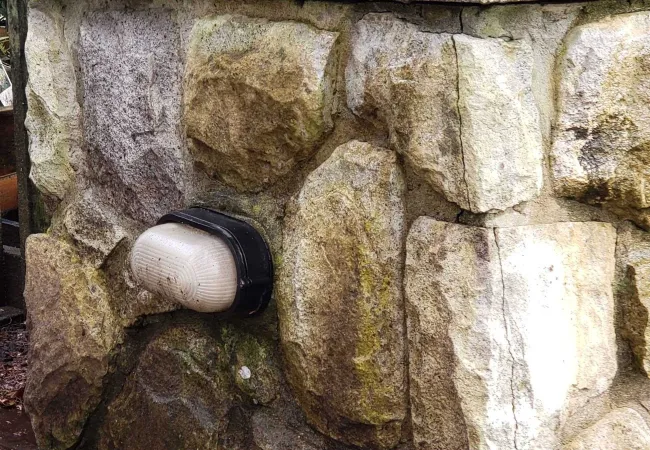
(244, 373)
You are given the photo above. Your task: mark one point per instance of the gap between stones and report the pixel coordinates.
(460, 120)
(507, 330)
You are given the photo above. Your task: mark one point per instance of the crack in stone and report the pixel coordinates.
(505, 324)
(460, 121)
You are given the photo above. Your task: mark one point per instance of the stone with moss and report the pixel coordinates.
(73, 331)
(340, 302)
(258, 96)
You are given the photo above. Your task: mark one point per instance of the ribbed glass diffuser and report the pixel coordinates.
(186, 265)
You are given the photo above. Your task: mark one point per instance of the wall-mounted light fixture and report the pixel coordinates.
(206, 261)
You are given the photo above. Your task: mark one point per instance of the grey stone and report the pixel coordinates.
(506, 331)
(340, 299)
(258, 96)
(131, 68)
(72, 334)
(601, 154)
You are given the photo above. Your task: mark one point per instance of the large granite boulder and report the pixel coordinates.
(622, 429)
(506, 330)
(131, 71)
(53, 117)
(340, 303)
(633, 260)
(461, 109)
(257, 96)
(601, 152)
(72, 334)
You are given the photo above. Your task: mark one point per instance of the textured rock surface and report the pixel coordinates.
(461, 109)
(131, 72)
(180, 393)
(340, 306)
(622, 429)
(53, 117)
(633, 258)
(408, 79)
(72, 332)
(601, 152)
(257, 97)
(480, 304)
(188, 388)
(500, 129)
(95, 226)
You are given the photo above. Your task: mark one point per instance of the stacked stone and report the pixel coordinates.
(498, 316)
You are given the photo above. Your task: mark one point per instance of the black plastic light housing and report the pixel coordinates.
(251, 253)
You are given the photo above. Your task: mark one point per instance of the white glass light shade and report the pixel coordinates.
(186, 265)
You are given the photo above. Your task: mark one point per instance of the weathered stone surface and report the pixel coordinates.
(408, 80)
(633, 259)
(94, 225)
(506, 330)
(258, 96)
(622, 429)
(601, 152)
(179, 393)
(461, 109)
(53, 115)
(187, 389)
(72, 332)
(500, 128)
(340, 302)
(132, 108)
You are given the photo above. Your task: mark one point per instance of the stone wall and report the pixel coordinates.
(455, 197)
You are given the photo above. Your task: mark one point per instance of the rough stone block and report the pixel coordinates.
(408, 80)
(131, 69)
(179, 392)
(186, 389)
(340, 304)
(72, 333)
(622, 429)
(506, 330)
(633, 259)
(461, 109)
(53, 116)
(258, 96)
(601, 151)
(500, 125)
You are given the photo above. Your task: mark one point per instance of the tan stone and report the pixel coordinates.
(506, 331)
(53, 114)
(622, 429)
(500, 125)
(72, 333)
(257, 96)
(461, 109)
(340, 303)
(408, 80)
(601, 153)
